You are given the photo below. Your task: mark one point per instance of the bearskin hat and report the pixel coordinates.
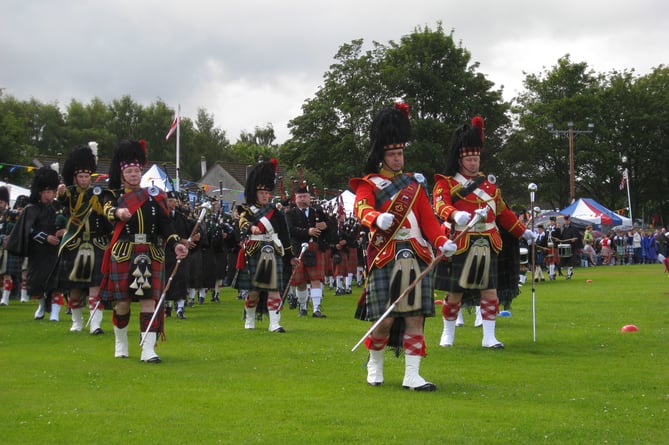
(261, 177)
(302, 187)
(467, 141)
(390, 130)
(4, 194)
(21, 202)
(80, 160)
(45, 179)
(128, 154)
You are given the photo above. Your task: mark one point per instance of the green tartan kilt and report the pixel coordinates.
(377, 297)
(245, 276)
(450, 283)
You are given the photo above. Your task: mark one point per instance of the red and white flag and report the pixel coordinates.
(173, 128)
(623, 180)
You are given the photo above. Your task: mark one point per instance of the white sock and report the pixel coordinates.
(317, 297)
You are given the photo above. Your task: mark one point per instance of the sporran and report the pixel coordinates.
(405, 271)
(84, 262)
(266, 275)
(476, 268)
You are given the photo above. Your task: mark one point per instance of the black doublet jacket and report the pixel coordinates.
(299, 225)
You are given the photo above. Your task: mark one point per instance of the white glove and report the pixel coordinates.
(461, 217)
(384, 220)
(529, 236)
(448, 248)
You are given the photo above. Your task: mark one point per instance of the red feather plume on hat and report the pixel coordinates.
(477, 121)
(404, 107)
(275, 164)
(142, 142)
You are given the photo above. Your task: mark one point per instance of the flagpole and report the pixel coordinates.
(178, 174)
(629, 199)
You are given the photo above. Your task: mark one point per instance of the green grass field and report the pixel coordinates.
(581, 382)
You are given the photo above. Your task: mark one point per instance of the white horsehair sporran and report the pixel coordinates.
(405, 271)
(476, 268)
(266, 273)
(564, 250)
(3, 258)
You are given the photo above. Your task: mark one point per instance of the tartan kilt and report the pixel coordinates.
(348, 264)
(329, 267)
(66, 264)
(304, 274)
(245, 276)
(14, 265)
(115, 284)
(378, 284)
(442, 275)
(195, 277)
(178, 286)
(457, 265)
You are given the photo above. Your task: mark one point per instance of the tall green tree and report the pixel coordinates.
(566, 93)
(426, 69)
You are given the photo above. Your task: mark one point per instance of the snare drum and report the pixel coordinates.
(524, 255)
(564, 250)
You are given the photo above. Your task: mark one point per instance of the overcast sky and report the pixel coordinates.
(252, 62)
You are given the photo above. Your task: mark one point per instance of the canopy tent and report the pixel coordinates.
(589, 210)
(156, 176)
(559, 219)
(347, 198)
(15, 191)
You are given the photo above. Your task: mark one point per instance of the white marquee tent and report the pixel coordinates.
(15, 191)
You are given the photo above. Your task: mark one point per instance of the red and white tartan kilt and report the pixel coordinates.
(304, 274)
(329, 265)
(115, 284)
(349, 263)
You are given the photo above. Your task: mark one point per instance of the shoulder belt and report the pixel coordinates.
(399, 208)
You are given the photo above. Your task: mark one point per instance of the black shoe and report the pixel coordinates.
(200, 300)
(98, 331)
(349, 291)
(155, 359)
(168, 311)
(280, 329)
(191, 303)
(317, 314)
(303, 313)
(180, 315)
(339, 291)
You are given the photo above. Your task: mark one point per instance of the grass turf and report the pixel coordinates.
(582, 381)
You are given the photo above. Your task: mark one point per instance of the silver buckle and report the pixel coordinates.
(140, 237)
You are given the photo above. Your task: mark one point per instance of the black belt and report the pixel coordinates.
(139, 238)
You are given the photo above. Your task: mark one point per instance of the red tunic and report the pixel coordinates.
(487, 194)
(420, 222)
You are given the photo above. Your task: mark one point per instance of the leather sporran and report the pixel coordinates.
(476, 270)
(336, 258)
(266, 274)
(405, 270)
(84, 262)
(309, 258)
